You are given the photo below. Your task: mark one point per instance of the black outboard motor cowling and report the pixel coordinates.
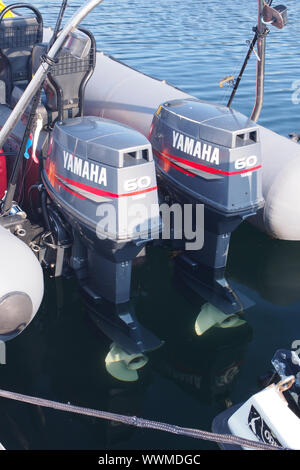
(101, 175)
(211, 155)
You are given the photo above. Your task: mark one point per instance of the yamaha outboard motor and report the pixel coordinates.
(98, 204)
(99, 173)
(211, 155)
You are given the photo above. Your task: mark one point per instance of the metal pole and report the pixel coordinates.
(260, 74)
(42, 71)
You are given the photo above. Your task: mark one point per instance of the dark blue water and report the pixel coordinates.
(192, 44)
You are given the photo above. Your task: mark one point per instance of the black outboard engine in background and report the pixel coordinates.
(211, 155)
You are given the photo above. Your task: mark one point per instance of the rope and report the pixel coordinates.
(141, 423)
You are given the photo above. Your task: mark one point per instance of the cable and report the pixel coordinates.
(44, 210)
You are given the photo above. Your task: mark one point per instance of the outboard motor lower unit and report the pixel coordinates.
(102, 177)
(211, 155)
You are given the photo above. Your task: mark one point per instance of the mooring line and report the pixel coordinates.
(140, 422)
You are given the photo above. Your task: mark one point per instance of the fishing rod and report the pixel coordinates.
(267, 15)
(58, 23)
(236, 85)
(48, 60)
(258, 31)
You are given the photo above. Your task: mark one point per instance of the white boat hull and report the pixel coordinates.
(264, 417)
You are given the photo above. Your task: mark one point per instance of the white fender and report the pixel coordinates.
(21, 285)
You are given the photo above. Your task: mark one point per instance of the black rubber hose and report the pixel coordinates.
(44, 210)
(32, 212)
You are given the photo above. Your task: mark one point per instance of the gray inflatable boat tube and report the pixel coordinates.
(121, 93)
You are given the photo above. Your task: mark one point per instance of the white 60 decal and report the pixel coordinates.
(244, 163)
(137, 183)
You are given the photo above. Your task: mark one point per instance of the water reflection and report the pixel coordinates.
(205, 364)
(208, 366)
(63, 357)
(274, 271)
